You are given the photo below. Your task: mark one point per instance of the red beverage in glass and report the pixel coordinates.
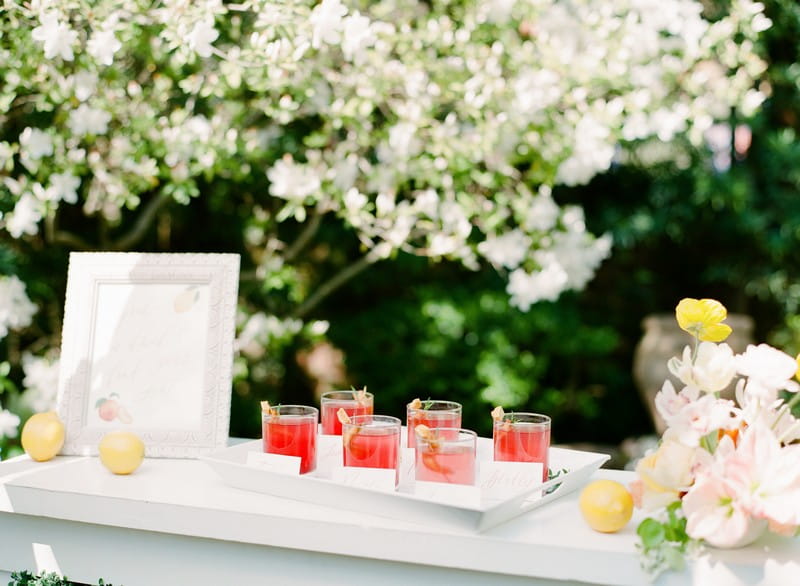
(522, 437)
(353, 402)
(291, 430)
(372, 441)
(447, 456)
(434, 414)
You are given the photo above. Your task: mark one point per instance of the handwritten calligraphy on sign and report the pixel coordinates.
(148, 354)
(501, 480)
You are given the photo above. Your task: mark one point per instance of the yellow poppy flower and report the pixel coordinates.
(702, 317)
(797, 374)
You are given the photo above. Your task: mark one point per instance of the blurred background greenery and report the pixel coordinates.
(721, 222)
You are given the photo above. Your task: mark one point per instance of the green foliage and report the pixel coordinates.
(453, 336)
(681, 228)
(689, 226)
(26, 578)
(663, 544)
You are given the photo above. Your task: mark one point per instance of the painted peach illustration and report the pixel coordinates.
(109, 408)
(184, 301)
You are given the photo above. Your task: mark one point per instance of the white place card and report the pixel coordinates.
(329, 455)
(274, 462)
(407, 470)
(499, 481)
(382, 479)
(459, 495)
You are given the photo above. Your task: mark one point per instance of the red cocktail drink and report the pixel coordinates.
(433, 414)
(446, 455)
(372, 441)
(291, 430)
(353, 402)
(522, 437)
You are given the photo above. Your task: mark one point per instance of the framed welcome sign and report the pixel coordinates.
(147, 346)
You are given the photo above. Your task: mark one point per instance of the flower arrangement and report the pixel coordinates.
(726, 469)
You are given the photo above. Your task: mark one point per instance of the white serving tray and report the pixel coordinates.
(230, 464)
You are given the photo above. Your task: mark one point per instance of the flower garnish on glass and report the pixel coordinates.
(521, 437)
(371, 441)
(431, 413)
(724, 471)
(445, 455)
(291, 430)
(354, 402)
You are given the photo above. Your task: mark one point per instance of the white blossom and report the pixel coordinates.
(85, 83)
(508, 250)
(326, 20)
(24, 219)
(354, 200)
(40, 382)
(356, 35)
(56, 37)
(202, 37)
(768, 370)
(6, 154)
(427, 203)
(580, 254)
(103, 45)
(16, 309)
(292, 181)
(712, 370)
(35, 143)
(64, 186)
(9, 423)
(526, 288)
(87, 120)
(592, 152)
(542, 214)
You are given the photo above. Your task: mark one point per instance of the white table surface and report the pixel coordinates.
(176, 522)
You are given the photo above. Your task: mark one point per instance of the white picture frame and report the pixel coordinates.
(147, 346)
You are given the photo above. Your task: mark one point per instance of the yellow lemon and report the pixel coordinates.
(43, 436)
(606, 505)
(121, 451)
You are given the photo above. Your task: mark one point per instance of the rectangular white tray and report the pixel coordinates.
(230, 464)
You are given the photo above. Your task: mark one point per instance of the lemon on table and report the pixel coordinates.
(121, 451)
(606, 505)
(43, 436)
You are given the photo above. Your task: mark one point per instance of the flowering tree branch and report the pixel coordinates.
(334, 106)
(331, 285)
(143, 222)
(309, 230)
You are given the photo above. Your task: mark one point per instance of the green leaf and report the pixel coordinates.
(99, 402)
(5, 368)
(651, 532)
(710, 442)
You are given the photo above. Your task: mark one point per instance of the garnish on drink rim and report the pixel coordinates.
(429, 458)
(498, 414)
(360, 396)
(351, 432)
(418, 404)
(266, 409)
